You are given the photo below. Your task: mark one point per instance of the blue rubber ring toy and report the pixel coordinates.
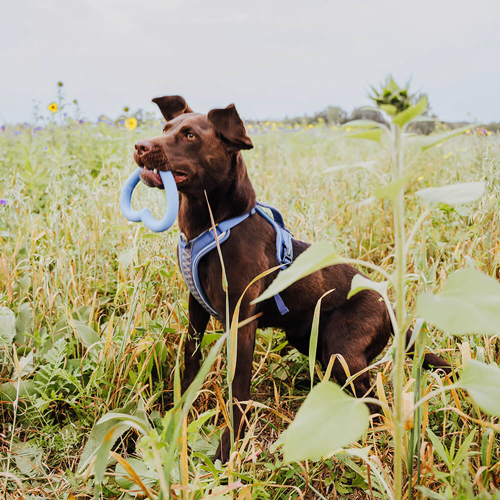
(145, 215)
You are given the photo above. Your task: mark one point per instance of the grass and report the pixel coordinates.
(100, 310)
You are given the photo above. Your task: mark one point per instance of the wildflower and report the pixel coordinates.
(3, 202)
(126, 108)
(53, 107)
(60, 84)
(3, 128)
(130, 123)
(420, 178)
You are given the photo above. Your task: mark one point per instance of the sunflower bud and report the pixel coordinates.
(391, 97)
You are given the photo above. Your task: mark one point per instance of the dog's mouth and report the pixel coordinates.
(151, 177)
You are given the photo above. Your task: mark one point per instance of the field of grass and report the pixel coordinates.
(93, 309)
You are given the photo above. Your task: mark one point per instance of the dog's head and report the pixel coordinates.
(198, 149)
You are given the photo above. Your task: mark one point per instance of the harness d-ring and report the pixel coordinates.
(144, 215)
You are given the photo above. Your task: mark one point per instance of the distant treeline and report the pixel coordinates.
(332, 115)
(335, 115)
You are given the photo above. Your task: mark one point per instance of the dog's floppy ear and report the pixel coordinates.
(228, 124)
(172, 106)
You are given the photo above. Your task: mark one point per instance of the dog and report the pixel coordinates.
(204, 154)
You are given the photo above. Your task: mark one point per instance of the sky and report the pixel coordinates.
(272, 58)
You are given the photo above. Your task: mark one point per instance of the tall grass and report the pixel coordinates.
(100, 309)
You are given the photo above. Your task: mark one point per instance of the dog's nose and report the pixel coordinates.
(143, 146)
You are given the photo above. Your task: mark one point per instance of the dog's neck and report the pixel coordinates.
(231, 199)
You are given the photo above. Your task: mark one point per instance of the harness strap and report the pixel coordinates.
(191, 252)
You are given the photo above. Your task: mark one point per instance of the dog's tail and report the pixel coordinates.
(431, 361)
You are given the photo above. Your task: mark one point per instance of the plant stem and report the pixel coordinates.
(399, 333)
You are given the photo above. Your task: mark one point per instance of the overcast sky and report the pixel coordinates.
(270, 57)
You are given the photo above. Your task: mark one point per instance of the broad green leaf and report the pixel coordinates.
(372, 135)
(86, 334)
(409, 114)
(137, 422)
(7, 326)
(8, 390)
(24, 322)
(468, 303)
(389, 109)
(99, 432)
(482, 382)
(329, 419)
(439, 448)
(26, 366)
(454, 194)
(363, 124)
(126, 257)
(28, 457)
(209, 338)
(390, 191)
(316, 257)
(360, 282)
(432, 140)
(148, 476)
(464, 449)
(194, 426)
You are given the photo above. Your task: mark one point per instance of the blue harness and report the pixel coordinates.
(191, 252)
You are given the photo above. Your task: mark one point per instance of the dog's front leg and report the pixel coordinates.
(241, 382)
(198, 320)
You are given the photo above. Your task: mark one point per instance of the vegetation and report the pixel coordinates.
(93, 314)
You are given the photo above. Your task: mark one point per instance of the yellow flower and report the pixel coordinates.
(53, 107)
(130, 123)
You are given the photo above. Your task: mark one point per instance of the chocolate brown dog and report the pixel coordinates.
(203, 152)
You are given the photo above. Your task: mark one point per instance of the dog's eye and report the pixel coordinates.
(190, 135)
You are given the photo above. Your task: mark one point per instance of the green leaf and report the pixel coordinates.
(209, 338)
(439, 448)
(432, 140)
(148, 476)
(316, 257)
(195, 425)
(454, 194)
(86, 334)
(468, 303)
(313, 341)
(329, 419)
(363, 124)
(26, 365)
(24, 322)
(409, 114)
(389, 109)
(372, 135)
(28, 457)
(140, 423)
(464, 449)
(97, 435)
(390, 191)
(126, 257)
(7, 326)
(483, 384)
(360, 282)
